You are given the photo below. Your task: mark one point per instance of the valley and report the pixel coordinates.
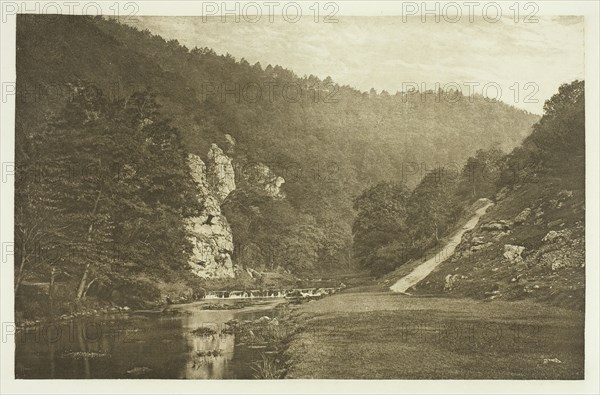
(347, 234)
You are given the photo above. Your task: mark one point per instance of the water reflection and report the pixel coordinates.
(211, 353)
(210, 356)
(139, 346)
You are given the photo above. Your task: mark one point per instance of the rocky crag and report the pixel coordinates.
(210, 232)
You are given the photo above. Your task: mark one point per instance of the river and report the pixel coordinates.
(141, 345)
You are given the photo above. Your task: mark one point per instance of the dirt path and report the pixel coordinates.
(423, 270)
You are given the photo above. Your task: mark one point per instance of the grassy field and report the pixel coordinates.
(384, 335)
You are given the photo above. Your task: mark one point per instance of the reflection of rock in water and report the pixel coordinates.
(138, 347)
(210, 355)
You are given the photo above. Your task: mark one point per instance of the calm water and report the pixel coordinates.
(140, 346)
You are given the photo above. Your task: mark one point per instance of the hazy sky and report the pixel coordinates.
(384, 52)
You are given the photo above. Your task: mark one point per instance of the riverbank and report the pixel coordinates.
(385, 335)
(164, 308)
(214, 299)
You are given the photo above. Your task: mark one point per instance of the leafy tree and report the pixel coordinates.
(556, 147)
(481, 174)
(381, 219)
(115, 193)
(559, 137)
(433, 206)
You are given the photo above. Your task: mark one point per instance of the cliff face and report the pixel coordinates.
(210, 232)
(220, 173)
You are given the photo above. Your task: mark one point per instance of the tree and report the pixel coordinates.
(116, 196)
(560, 134)
(481, 174)
(433, 206)
(380, 220)
(557, 144)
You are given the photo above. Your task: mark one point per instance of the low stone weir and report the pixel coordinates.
(264, 294)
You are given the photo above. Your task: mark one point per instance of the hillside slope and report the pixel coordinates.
(531, 243)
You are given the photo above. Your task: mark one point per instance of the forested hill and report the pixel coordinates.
(329, 142)
(207, 95)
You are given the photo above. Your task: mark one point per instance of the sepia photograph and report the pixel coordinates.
(233, 191)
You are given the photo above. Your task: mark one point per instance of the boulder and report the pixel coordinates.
(263, 319)
(557, 264)
(274, 322)
(500, 235)
(539, 212)
(502, 194)
(565, 194)
(562, 251)
(253, 273)
(556, 223)
(522, 217)
(554, 235)
(450, 283)
(550, 236)
(513, 253)
(479, 247)
(499, 225)
(477, 240)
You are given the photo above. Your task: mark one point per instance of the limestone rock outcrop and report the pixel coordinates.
(523, 216)
(210, 232)
(500, 225)
(261, 176)
(220, 175)
(513, 253)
